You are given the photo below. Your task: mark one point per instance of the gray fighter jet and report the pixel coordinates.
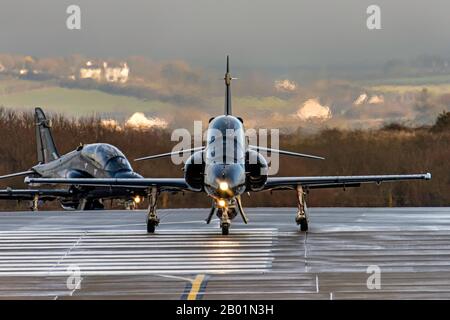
(225, 168)
(99, 160)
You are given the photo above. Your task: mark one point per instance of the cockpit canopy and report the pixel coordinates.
(225, 141)
(223, 123)
(106, 156)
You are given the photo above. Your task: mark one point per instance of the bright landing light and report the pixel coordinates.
(221, 203)
(137, 199)
(223, 186)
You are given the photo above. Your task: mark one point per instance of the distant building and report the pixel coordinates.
(91, 71)
(102, 72)
(116, 74)
(285, 85)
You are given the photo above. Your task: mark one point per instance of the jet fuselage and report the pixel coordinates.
(224, 176)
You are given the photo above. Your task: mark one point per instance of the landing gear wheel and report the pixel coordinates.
(301, 218)
(303, 225)
(225, 229)
(152, 218)
(151, 226)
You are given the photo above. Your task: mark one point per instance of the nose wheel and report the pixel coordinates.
(151, 225)
(225, 222)
(225, 229)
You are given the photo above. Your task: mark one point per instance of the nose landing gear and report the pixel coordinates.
(227, 213)
(224, 217)
(225, 222)
(301, 218)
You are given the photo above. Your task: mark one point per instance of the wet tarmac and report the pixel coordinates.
(108, 254)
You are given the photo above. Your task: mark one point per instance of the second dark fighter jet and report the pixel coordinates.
(97, 160)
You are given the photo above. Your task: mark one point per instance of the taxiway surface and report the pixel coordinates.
(108, 254)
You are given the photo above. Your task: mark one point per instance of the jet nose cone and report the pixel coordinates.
(234, 175)
(127, 175)
(228, 180)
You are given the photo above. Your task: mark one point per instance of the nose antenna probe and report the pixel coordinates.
(228, 79)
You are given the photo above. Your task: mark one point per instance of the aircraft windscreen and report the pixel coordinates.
(102, 154)
(117, 164)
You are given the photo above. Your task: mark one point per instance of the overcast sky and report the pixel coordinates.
(255, 32)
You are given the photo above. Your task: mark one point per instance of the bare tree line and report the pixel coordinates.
(389, 150)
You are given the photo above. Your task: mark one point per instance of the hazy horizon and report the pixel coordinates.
(263, 34)
(304, 62)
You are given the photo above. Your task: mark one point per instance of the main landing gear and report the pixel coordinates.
(34, 203)
(301, 219)
(152, 218)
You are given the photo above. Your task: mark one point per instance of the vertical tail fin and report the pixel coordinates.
(228, 79)
(46, 149)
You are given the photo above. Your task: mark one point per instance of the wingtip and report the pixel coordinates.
(428, 176)
(316, 157)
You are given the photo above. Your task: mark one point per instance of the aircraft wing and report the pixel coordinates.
(30, 194)
(17, 174)
(169, 154)
(163, 184)
(337, 181)
(287, 153)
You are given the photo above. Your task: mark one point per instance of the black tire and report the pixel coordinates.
(304, 225)
(225, 230)
(94, 205)
(151, 227)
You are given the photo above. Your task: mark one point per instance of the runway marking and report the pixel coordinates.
(107, 252)
(317, 283)
(195, 288)
(174, 277)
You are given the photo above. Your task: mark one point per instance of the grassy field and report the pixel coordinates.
(73, 102)
(413, 81)
(25, 95)
(435, 84)
(433, 89)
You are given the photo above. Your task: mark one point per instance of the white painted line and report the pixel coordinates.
(152, 251)
(132, 273)
(206, 230)
(175, 277)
